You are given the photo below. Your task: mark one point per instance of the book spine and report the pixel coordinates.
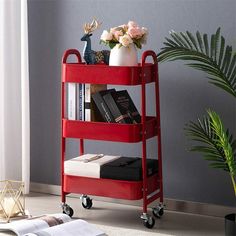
(87, 101)
(81, 102)
(91, 113)
(102, 107)
(77, 101)
(118, 112)
(71, 101)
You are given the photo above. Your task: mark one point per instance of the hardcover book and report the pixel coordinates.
(128, 168)
(102, 106)
(122, 107)
(119, 112)
(91, 111)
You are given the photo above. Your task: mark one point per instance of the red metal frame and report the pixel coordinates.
(150, 188)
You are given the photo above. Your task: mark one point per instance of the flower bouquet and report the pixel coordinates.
(124, 35)
(123, 41)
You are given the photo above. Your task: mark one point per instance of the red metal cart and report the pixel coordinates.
(149, 188)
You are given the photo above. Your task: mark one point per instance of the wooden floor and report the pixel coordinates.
(126, 216)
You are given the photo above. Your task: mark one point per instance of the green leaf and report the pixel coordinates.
(216, 60)
(138, 44)
(222, 49)
(212, 46)
(192, 39)
(200, 43)
(185, 37)
(226, 60)
(178, 39)
(206, 44)
(217, 145)
(232, 65)
(171, 42)
(216, 44)
(112, 44)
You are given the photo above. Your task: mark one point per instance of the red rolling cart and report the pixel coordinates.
(149, 188)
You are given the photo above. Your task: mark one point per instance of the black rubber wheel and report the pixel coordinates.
(68, 211)
(88, 204)
(149, 223)
(158, 212)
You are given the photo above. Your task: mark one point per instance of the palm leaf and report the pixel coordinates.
(200, 43)
(222, 47)
(217, 145)
(211, 56)
(206, 44)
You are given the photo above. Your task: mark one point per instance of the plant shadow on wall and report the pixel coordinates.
(214, 57)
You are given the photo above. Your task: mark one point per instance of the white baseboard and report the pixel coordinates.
(170, 204)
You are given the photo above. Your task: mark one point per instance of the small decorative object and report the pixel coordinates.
(90, 56)
(12, 202)
(124, 41)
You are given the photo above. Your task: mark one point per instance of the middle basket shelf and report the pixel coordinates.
(130, 133)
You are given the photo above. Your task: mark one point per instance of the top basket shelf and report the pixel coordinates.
(103, 74)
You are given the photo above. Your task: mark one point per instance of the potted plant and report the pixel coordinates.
(211, 56)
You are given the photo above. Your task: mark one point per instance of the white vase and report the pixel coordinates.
(123, 56)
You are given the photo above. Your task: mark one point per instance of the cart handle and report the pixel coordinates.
(149, 53)
(69, 52)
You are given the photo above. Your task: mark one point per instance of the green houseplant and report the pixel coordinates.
(218, 61)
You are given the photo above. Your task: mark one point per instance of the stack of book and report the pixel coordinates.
(80, 105)
(94, 102)
(116, 106)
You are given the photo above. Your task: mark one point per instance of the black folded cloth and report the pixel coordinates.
(127, 168)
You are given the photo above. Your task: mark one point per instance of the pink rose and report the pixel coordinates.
(132, 24)
(112, 30)
(124, 27)
(135, 32)
(117, 34)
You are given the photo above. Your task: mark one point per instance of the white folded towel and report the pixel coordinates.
(87, 165)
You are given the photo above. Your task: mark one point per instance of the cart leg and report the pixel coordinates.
(81, 146)
(63, 147)
(63, 197)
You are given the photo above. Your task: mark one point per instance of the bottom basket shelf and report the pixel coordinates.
(120, 189)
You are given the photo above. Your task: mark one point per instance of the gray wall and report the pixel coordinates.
(55, 26)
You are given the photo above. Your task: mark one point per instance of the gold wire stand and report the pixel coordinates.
(12, 200)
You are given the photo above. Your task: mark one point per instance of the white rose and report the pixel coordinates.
(106, 36)
(145, 30)
(125, 40)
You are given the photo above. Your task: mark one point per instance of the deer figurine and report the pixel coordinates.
(90, 56)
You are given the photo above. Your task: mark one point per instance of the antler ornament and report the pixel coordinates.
(89, 28)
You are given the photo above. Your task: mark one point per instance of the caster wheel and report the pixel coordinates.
(158, 211)
(87, 202)
(149, 223)
(67, 210)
